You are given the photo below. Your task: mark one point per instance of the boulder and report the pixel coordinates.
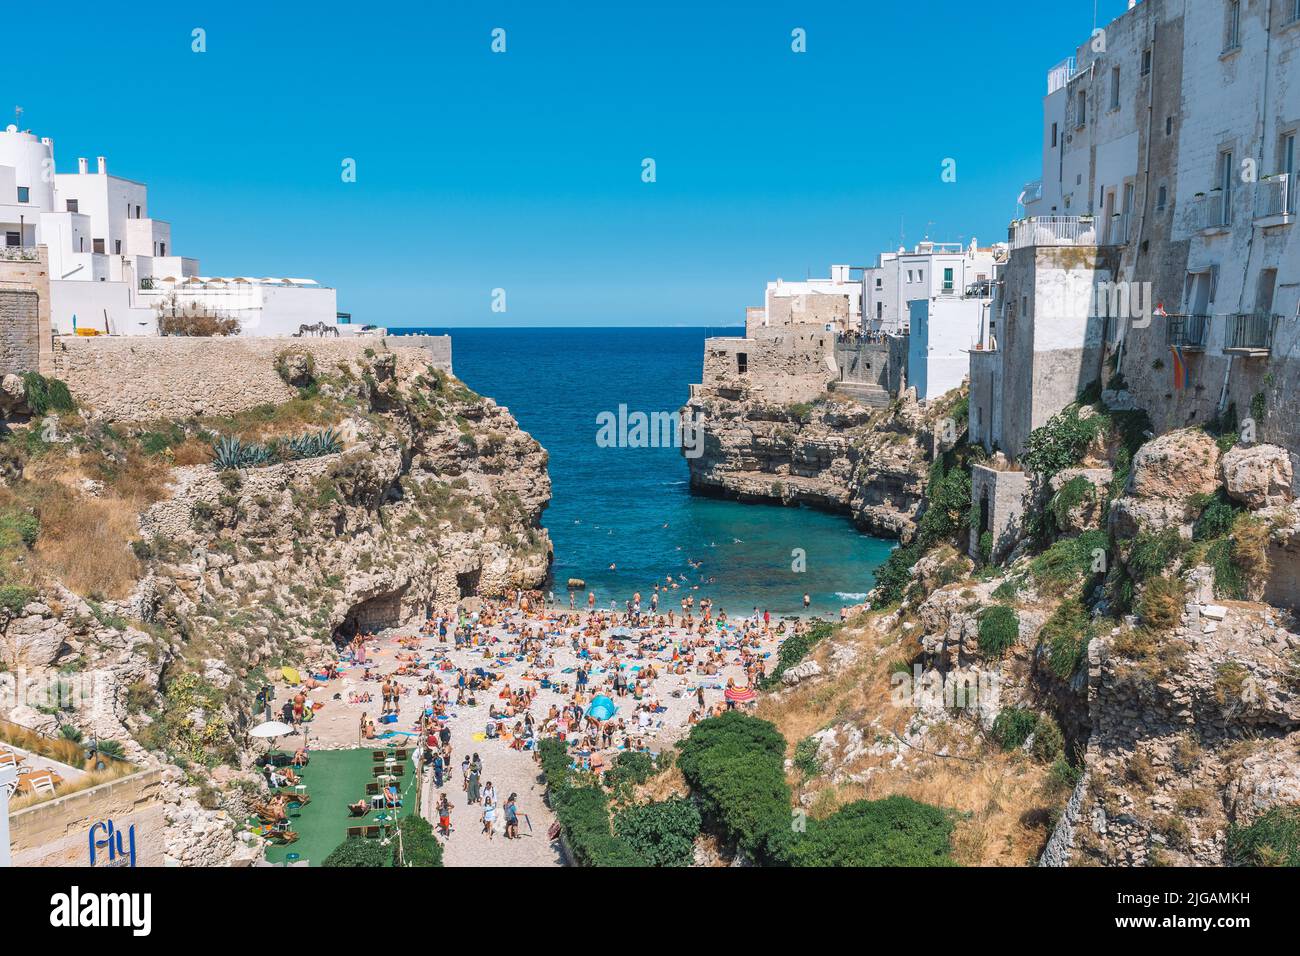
(1258, 476)
(1088, 513)
(1176, 465)
(800, 672)
(13, 393)
(296, 369)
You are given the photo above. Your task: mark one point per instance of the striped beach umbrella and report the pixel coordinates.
(740, 695)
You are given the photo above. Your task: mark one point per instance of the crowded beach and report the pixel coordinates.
(468, 695)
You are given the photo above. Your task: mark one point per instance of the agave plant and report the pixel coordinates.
(329, 442)
(228, 452)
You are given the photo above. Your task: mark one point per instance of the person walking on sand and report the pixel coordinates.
(444, 815)
(512, 818)
(489, 819)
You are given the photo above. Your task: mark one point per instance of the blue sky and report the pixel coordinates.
(522, 170)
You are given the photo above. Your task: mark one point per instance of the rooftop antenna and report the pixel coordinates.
(18, 116)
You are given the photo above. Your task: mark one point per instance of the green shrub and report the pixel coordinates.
(358, 852)
(1161, 605)
(892, 576)
(1273, 839)
(1073, 493)
(1068, 559)
(630, 767)
(735, 764)
(1049, 742)
(583, 812)
(1061, 442)
(895, 831)
(999, 629)
(1065, 636)
(663, 833)
(418, 845)
(45, 395)
(1153, 552)
(1216, 518)
(1012, 727)
(795, 648)
(806, 760)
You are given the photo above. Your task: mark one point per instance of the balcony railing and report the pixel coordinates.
(1059, 75)
(1275, 197)
(1117, 235)
(1250, 333)
(1052, 231)
(1187, 331)
(1209, 211)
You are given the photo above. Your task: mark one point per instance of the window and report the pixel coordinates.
(742, 363)
(920, 275)
(1081, 109)
(162, 249)
(1169, 126)
(24, 194)
(878, 277)
(117, 247)
(12, 239)
(1224, 177)
(909, 276)
(1146, 58)
(72, 206)
(137, 212)
(1161, 197)
(98, 246)
(1054, 125)
(947, 280)
(1232, 28)
(1114, 87)
(880, 310)
(1294, 15)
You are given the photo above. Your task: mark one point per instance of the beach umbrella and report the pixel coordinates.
(272, 728)
(740, 695)
(602, 708)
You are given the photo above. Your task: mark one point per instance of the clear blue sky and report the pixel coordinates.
(523, 170)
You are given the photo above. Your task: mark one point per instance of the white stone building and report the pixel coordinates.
(834, 303)
(112, 265)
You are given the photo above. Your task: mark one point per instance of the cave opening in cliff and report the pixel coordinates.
(467, 582)
(373, 614)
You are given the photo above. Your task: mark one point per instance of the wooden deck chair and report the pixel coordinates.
(354, 833)
(377, 756)
(373, 833)
(372, 790)
(41, 782)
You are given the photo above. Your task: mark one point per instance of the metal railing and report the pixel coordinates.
(1059, 75)
(1209, 211)
(1117, 235)
(1250, 332)
(1187, 331)
(1053, 231)
(1275, 196)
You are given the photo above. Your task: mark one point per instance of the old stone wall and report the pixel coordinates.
(142, 379)
(57, 832)
(999, 499)
(782, 367)
(24, 311)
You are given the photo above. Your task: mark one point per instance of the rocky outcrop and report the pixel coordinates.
(434, 495)
(1176, 466)
(839, 455)
(1258, 475)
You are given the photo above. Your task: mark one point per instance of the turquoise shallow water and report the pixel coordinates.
(632, 507)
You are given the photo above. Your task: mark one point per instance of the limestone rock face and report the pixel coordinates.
(1175, 465)
(870, 463)
(1090, 510)
(801, 672)
(1258, 476)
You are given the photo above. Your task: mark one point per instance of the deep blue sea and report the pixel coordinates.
(632, 507)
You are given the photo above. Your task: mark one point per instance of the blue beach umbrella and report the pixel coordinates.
(602, 708)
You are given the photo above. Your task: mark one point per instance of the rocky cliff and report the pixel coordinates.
(868, 462)
(170, 585)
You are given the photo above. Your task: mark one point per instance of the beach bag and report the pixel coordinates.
(553, 832)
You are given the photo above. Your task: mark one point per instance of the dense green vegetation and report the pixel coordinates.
(418, 845)
(999, 627)
(895, 831)
(661, 834)
(358, 852)
(1273, 839)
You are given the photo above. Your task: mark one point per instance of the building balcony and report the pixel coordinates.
(1189, 332)
(1060, 75)
(1275, 200)
(1250, 334)
(1209, 212)
(1053, 231)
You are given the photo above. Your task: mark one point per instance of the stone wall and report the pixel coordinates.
(57, 832)
(143, 379)
(24, 312)
(783, 367)
(998, 498)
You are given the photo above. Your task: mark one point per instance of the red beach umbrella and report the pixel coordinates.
(740, 695)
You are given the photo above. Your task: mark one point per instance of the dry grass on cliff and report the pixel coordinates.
(85, 540)
(1004, 809)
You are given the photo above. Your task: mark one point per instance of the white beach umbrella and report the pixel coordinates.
(272, 728)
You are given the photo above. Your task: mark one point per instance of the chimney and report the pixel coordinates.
(103, 165)
(81, 165)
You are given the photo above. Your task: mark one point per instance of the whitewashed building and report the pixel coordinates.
(834, 303)
(112, 265)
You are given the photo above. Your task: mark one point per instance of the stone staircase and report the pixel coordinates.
(867, 393)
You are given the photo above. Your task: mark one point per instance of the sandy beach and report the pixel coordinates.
(551, 659)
